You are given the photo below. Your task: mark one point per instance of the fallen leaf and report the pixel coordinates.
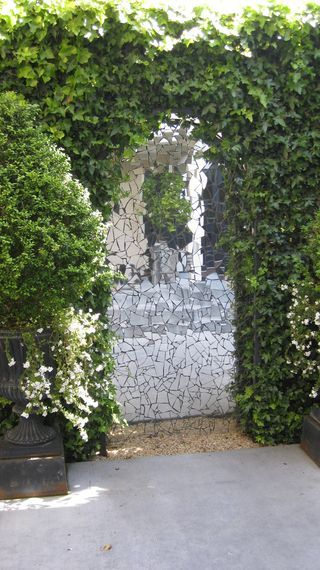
(106, 547)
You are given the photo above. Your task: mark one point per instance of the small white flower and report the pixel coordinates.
(12, 362)
(26, 364)
(39, 331)
(99, 368)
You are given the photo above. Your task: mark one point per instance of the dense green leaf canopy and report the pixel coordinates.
(106, 73)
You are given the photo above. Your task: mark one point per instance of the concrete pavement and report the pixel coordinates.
(252, 509)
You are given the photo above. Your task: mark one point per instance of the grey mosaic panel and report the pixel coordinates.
(172, 313)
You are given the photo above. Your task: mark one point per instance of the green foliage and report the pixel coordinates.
(166, 207)
(87, 66)
(50, 240)
(105, 74)
(7, 418)
(52, 261)
(311, 250)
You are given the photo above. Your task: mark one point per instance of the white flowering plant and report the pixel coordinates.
(304, 313)
(304, 319)
(79, 372)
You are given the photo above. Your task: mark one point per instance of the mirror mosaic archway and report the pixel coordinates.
(172, 311)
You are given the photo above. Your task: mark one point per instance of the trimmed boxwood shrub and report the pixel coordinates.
(50, 238)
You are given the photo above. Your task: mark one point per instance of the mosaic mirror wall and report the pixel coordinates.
(172, 311)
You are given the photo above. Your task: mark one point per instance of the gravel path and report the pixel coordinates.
(175, 437)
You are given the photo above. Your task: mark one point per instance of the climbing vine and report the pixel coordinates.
(106, 73)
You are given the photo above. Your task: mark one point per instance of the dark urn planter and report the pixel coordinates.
(29, 431)
(310, 439)
(30, 438)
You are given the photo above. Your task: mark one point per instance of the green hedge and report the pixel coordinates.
(105, 76)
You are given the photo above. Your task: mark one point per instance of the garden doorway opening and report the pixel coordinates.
(172, 311)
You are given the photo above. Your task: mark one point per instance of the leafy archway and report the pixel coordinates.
(105, 75)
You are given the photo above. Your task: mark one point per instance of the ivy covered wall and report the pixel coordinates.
(105, 74)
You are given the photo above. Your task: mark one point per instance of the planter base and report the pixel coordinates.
(34, 471)
(310, 439)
